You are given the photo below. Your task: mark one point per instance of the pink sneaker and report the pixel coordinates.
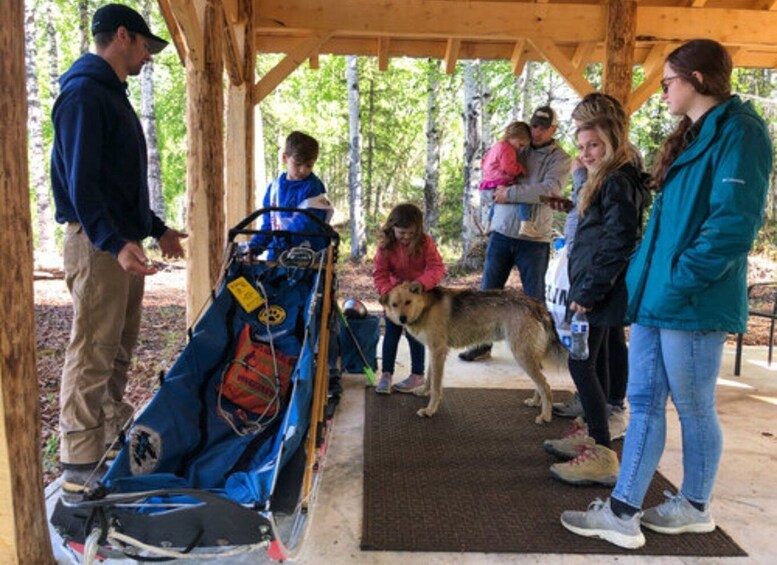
(410, 384)
(384, 384)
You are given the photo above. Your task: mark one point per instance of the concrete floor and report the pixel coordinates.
(745, 503)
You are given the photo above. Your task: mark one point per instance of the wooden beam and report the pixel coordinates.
(519, 57)
(239, 173)
(723, 25)
(205, 163)
(452, 55)
(699, 3)
(383, 53)
(410, 47)
(24, 534)
(582, 55)
(619, 46)
(654, 71)
(550, 51)
(313, 61)
(490, 20)
(189, 15)
(234, 44)
(289, 63)
(464, 19)
(172, 27)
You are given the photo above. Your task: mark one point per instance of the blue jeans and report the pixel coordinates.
(391, 343)
(684, 364)
(531, 258)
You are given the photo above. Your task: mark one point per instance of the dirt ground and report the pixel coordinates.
(163, 331)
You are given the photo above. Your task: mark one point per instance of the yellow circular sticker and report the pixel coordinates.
(272, 315)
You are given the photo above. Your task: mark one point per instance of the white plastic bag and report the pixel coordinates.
(557, 293)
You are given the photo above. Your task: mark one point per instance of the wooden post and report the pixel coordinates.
(24, 535)
(205, 162)
(240, 126)
(619, 49)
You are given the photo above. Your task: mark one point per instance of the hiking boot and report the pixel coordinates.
(594, 465)
(599, 521)
(618, 421)
(677, 516)
(384, 384)
(568, 447)
(410, 384)
(478, 353)
(77, 479)
(571, 409)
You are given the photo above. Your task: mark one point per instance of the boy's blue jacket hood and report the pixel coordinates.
(99, 161)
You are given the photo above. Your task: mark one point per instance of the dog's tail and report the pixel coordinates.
(555, 352)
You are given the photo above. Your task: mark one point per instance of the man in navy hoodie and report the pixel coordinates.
(98, 176)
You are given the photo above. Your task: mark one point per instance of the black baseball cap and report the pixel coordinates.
(544, 116)
(112, 16)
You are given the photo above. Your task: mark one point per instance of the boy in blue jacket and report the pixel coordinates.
(298, 187)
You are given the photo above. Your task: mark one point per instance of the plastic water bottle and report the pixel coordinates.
(579, 330)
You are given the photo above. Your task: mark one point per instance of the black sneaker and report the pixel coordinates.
(477, 353)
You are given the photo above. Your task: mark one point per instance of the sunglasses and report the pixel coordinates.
(665, 83)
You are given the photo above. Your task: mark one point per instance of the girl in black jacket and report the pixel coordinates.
(611, 203)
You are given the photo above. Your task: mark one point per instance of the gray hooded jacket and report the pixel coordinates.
(548, 171)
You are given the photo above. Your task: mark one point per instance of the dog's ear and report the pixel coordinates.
(416, 287)
(383, 299)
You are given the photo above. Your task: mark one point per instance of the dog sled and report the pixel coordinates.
(227, 456)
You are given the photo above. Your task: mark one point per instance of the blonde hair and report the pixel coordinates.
(616, 155)
(517, 130)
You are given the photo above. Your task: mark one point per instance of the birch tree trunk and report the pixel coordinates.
(358, 236)
(433, 135)
(51, 34)
(469, 229)
(148, 121)
(527, 99)
(368, 192)
(486, 139)
(83, 24)
(37, 150)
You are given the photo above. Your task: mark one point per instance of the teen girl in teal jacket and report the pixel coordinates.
(690, 271)
(687, 290)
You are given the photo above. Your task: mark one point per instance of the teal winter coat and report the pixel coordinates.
(689, 273)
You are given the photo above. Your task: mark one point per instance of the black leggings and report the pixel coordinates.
(593, 395)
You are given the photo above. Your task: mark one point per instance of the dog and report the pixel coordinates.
(444, 317)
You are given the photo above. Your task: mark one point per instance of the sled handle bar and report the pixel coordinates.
(327, 230)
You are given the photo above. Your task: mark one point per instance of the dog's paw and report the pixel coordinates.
(533, 401)
(425, 412)
(542, 419)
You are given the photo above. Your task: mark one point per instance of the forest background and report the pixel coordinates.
(411, 133)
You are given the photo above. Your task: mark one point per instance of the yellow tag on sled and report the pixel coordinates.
(245, 294)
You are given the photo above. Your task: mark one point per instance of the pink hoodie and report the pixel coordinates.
(394, 266)
(500, 166)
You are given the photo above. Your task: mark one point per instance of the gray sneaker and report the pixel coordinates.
(599, 521)
(384, 384)
(677, 516)
(572, 408)
(78, 479)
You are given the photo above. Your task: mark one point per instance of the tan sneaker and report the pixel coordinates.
(571, 441)
(595, 465)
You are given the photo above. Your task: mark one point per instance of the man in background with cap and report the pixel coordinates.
(525, 244)
(99, 180)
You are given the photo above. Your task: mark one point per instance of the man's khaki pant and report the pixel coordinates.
(107, 304)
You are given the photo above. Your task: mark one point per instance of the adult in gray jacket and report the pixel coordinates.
(525, 244)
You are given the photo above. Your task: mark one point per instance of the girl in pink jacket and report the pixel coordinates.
(500, 164)
(405, 254)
